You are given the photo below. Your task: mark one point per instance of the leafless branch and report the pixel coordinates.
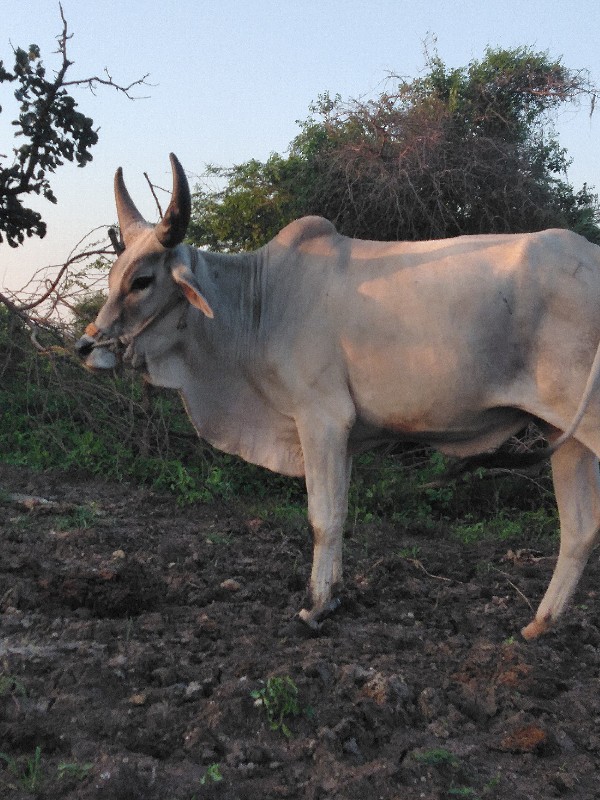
(92, 81)
(152, 187)
(511, 584)
(54, 283)
(52, 305)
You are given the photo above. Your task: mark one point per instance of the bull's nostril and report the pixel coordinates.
(84, 346)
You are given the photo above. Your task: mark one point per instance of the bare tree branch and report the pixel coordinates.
(152, 187)
(108, 81)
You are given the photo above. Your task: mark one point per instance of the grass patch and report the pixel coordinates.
(506, 526)
(81, 517)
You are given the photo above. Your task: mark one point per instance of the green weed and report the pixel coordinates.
(279, 698)
(212, 775)
(74, 771)
(10, 762)
(409, 552)
(28, 773)
(469, 533)
(493, 783)
(32, 776)
(436, 757)
(10, 685)
(450, 767)
(218, 538)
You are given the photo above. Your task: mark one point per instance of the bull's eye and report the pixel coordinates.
(141, 283)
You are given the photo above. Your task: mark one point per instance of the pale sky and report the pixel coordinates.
(231, 77)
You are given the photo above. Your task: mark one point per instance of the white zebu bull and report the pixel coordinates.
(318, 346)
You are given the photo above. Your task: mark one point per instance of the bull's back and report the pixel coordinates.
(438, 329)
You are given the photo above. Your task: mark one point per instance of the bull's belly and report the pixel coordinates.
(470, 435)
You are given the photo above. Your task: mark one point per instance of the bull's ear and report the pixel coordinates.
(186, 280)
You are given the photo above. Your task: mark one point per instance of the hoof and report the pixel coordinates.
(536, 627)
(315, 616)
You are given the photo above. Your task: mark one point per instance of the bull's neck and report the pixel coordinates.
(234, 286)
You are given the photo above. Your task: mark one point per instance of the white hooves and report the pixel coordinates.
(537, 627)
(315, 616)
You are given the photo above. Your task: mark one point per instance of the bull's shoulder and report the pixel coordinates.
(305, 229)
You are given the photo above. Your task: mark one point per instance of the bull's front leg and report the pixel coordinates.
(327, 468)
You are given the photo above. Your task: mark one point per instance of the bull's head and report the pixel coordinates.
(153, 274)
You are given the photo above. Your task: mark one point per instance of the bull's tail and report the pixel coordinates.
(591, 387)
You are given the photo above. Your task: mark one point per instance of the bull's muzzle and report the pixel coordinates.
(96, 354)
(85, 345)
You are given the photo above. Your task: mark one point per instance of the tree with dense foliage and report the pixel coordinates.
(457, 151)
(51, 129)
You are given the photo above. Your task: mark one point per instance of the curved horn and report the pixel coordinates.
(171, 230)
(130, 219)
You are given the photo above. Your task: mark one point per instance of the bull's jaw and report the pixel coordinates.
(101, 358)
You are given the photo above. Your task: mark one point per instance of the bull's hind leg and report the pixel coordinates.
(577, 487)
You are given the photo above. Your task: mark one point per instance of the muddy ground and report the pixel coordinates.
(132, 633)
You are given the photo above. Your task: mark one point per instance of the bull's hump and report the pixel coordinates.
(303, 230)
